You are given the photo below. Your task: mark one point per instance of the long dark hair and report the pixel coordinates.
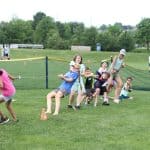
(74, 58)
(1, 72)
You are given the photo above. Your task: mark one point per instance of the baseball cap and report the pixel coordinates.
(123, 52)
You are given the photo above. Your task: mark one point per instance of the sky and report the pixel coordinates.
(90, 12)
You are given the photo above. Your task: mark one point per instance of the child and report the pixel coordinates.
(68, 79)
(126, 89)
(97, 84)
(8, 91)
(100, 87)
(78, 86)
(117, 64)
(88, 85)
(102, 68)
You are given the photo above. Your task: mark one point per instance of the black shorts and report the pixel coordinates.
(6, 55)
(89, 92)
(102, 90)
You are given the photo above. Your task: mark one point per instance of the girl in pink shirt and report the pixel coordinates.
(7, 91)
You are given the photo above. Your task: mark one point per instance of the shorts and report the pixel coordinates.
(78, 87)
(62, 90)
(89, 92)
(6, 55)
(6, 98)
(103, 90)
(123, 97)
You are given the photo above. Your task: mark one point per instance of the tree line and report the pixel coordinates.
(56, 35)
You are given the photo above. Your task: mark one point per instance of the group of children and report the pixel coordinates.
(83, 85)
(80, 83)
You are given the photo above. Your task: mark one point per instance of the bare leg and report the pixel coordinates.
(80, 98)
(11, 111)
(49, 101)
(97, 92)
(118, 88)
(57, 102)
(71, 97)
(1, 114)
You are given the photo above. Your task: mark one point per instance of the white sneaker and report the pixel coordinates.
(130, 97)
(85, 103)
(48, 112)
(116, 101)
(105, 99)
(95, 104)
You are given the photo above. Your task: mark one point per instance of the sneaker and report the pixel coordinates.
(77, 107)
(69, 106)
(4, 120)
(130, 98)
(95, 104)
(116, 101)
(86, 103)
(105, 103)
(48, 112)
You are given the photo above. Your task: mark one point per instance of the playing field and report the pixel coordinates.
(116, 127)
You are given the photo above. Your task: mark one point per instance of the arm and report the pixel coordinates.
(1, 84)
(112, 65)
(63, 77)
(12, 77)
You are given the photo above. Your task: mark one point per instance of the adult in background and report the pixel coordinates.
(115, 67)
(5, 52)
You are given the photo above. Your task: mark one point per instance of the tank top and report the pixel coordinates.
(118, 64)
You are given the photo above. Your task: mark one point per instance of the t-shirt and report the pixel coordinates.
(8, 87)
(67, 85)
(88, 82)
(124, 90)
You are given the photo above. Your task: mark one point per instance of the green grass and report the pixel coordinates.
(116, 127)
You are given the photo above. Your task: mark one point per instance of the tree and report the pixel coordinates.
(89, 37)
(42, 30)
(126, 40)
(4, 33)
(20, 31)
(16, 31)
(143, 32)
(37, 18)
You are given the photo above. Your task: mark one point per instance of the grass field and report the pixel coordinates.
(118, 127)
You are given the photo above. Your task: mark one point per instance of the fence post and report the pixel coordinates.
(46, 69)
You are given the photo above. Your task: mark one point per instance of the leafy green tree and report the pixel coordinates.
(16, 31)
(89, 37)
(20, 31)
(4, 33)
(126, 40)
(143, 32)
(37, 18)
(42, 30)
(61, 28)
